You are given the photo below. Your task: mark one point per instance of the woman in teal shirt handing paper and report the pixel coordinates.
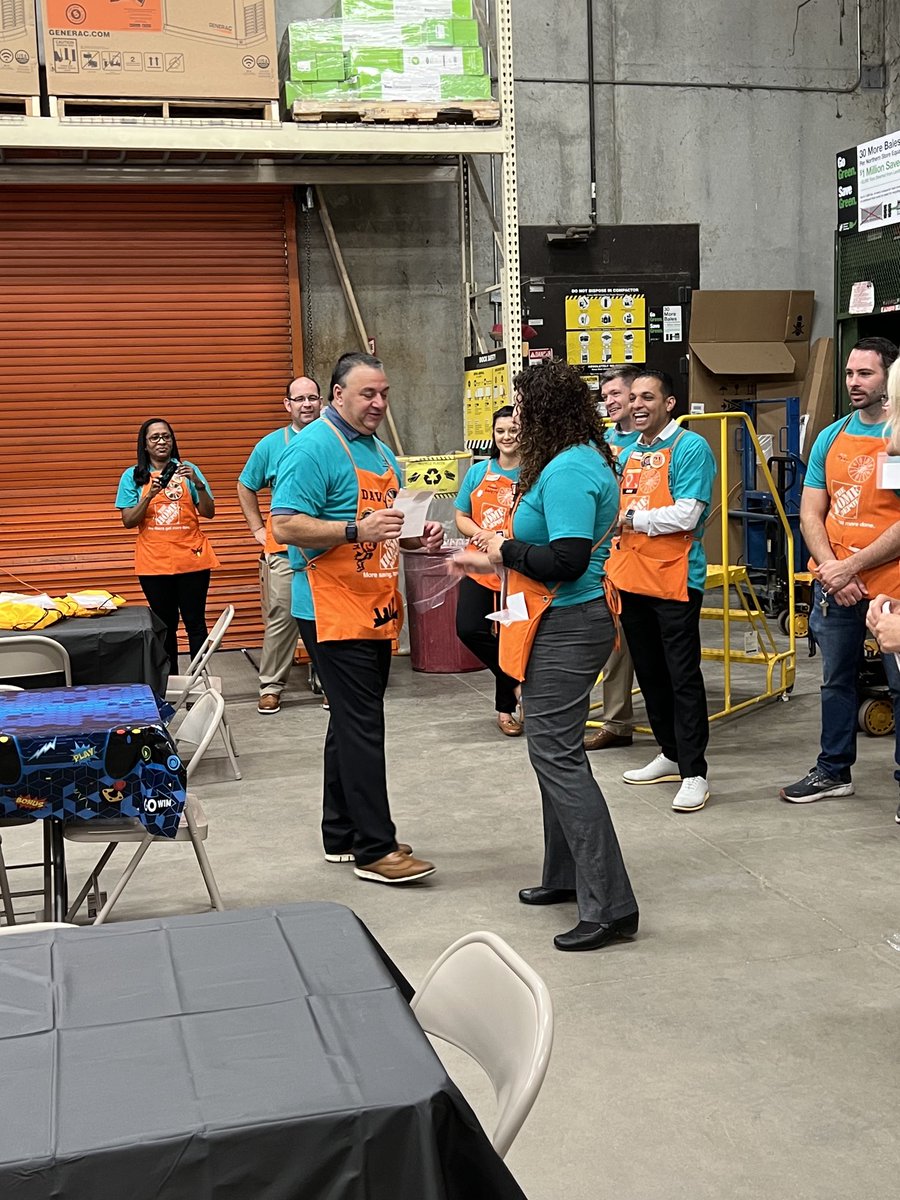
(565, 513)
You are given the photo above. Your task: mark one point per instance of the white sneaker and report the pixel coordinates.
(661, 770)
(692, 795)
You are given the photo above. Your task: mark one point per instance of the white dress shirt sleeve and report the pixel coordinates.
(680, 517)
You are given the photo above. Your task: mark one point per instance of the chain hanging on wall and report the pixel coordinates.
(307, 203)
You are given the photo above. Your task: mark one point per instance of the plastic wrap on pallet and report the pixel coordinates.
(405, 10)
(427, 87)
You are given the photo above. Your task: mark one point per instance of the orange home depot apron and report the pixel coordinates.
(273, 546)
(354, 586)
(517, 638)
(492, 503)
(649, 566)
(858, 510)
(170, 540)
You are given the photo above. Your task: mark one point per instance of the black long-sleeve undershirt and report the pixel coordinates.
(562, 561)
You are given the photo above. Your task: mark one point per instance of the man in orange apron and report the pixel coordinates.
(304, 403)
(332, 507)
(659, 567)
(852, 528)
(618, 674)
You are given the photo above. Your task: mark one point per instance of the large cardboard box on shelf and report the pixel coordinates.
(18, 50)
(745, 345)
(171, 49)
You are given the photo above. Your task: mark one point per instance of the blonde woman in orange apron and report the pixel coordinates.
(553, 563)
(482, 507)
(332, 506)
(163, 496)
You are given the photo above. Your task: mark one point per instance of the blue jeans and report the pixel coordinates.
(840, 636)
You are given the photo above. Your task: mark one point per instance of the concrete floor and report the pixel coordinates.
(745, 1045)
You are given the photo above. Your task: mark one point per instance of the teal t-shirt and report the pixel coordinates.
(129, 492)
(316, 477)
(856, 427)
(692, 471)
(259, 469)
(575, 496)
(620, 443)
(473, 478)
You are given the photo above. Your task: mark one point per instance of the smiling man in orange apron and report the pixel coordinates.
(659, 567)
(303, 402)
(852, 528)
(332, 507)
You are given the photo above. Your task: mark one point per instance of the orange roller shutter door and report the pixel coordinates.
(121, 303)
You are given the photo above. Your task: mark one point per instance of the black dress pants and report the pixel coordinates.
(169, 595)
(664, 640)
(473, 604)
(356, 815)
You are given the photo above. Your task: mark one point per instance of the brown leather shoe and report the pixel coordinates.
(347, 856)
(395, 868)
(269, 702)
(509, 724)
(605, 739)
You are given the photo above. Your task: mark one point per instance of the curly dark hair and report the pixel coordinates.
(556, 410)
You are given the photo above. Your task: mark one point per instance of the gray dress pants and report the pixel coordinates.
(581, 850)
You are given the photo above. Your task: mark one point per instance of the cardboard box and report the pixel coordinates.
(741, 339)
(306, 38)
(306, 90)
(172, 49)
(18, 50)
(421, 86)
(817, 399)
(440, 32)
(744, 345)
(373, 59)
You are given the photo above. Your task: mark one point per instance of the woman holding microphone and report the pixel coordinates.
(566, 509)
(163, 497)
(482, 507)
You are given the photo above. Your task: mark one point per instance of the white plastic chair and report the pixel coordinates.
(193, 827)
(198, 680)
(30, 654)
(483, 998)
(198, 728)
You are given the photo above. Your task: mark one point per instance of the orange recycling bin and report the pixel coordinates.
(431, 615)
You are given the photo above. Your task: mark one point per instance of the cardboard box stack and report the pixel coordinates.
(180, 49)
(416, 50)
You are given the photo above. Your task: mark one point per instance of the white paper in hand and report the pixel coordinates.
(516, 610)
(414, 506)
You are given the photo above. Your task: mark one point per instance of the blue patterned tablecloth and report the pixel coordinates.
(89, 752)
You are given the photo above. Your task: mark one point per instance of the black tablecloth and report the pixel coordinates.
(264, 1054)
(122, 647)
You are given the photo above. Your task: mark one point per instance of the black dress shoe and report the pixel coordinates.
(589, 935)
(542, 895)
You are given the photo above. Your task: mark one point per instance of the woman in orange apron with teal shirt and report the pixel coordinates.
(163, 497)
(482, 507)
(566, 509)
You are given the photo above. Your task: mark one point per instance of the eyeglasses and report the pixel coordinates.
(316, 399)
(159, 437)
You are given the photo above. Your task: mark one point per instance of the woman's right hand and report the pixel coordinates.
(469, 562)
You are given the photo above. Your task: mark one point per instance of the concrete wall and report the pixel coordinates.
(754, 167)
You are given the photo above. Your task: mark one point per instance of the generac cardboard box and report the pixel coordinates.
(18, 49)
(170, 49)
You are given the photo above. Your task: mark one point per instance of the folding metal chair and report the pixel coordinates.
(182, 688)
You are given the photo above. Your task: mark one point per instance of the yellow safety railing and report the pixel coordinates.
(780, 665)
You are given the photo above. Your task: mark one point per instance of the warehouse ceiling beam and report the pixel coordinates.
(85, 171)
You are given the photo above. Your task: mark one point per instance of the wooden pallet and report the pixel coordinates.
(398, 112)
(126, 111)
(20, 106)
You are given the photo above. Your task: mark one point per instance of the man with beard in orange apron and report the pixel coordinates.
(332, 507)
(852, 529)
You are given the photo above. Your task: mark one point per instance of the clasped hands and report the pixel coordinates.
(839, 579)
(484, 560)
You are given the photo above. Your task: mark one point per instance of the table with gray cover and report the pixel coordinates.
(125, 646)
(264, 1053)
